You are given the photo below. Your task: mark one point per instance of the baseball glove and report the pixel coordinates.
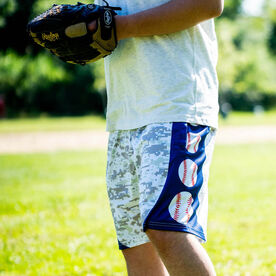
(63, 30)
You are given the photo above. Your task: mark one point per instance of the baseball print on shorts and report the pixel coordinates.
(157, 179)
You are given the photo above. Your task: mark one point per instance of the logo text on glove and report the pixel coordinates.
(107, 18)
(50, 36)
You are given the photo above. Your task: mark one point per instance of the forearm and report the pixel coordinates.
(173, 16)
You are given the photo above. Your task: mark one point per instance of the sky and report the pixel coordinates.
(252, 7)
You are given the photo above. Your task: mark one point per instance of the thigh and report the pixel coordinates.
(181, 253)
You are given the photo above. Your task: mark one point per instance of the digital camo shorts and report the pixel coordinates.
(157, 179)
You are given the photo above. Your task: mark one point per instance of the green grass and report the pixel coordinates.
(52, 124)
(98, 123)
(242, 224)
(249, 118)
(55, 218)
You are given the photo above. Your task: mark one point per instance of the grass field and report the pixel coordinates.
(52, 124)
(55, 218)
(98, 123)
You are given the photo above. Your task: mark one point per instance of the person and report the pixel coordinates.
(162, 117)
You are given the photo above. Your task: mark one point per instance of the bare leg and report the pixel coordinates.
(181, 253)
(143, 260)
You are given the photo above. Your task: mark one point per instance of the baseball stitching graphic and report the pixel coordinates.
(187, 172)
(181, 207)
(192, 143)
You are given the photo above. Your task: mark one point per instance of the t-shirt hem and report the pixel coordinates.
(211, 122)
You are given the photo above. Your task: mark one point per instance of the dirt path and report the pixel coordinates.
(85, 140)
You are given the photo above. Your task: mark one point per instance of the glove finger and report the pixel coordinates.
(76, 30)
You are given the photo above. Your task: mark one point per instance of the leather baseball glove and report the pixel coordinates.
(63, 30)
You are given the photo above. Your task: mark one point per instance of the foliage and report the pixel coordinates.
(14, 16)
(232, 8)
(45, 84)
(7, 7)
(245, 64)
(270, 15)
(42, 5)
(33, 82)
(248, 101)
(37, 82)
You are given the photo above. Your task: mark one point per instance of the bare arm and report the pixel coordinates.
(173, 16)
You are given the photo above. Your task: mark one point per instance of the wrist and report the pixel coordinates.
(121, 23)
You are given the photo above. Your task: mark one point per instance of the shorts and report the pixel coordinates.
(157, 179)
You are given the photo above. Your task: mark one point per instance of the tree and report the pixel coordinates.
(270, 11)
(232, 8)
(14, 16)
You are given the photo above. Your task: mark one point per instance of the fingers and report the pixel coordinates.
(92, 26)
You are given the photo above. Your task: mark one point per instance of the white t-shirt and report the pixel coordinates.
(167, 78)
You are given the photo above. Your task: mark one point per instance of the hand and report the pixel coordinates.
(92, 26)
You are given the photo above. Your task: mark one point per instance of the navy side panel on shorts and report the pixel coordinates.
(122, 246)
(176, 208)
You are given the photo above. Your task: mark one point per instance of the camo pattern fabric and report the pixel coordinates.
(136, 172)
